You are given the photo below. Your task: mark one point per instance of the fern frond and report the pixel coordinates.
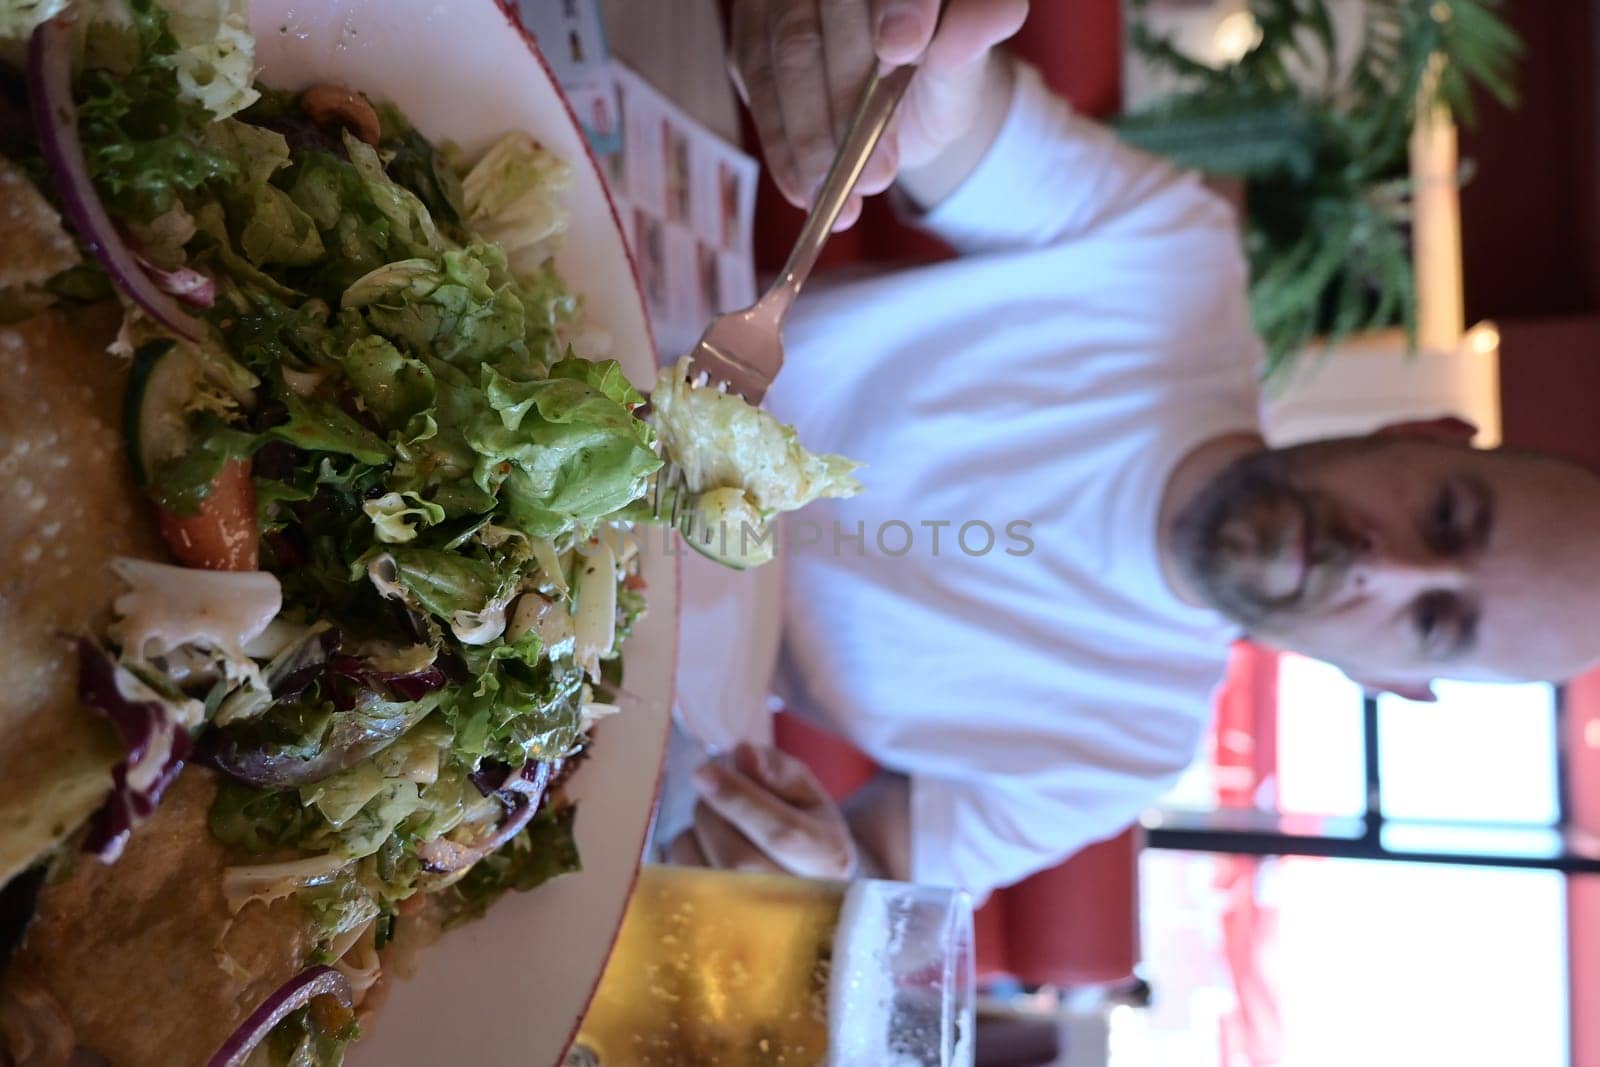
(1327, 217)
(1243, 135)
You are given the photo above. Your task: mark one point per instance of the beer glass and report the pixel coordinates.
(718, 967)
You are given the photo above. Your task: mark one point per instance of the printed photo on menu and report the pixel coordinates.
(689, 197)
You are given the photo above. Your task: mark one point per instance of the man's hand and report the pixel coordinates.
(801, 64)
(765, 811)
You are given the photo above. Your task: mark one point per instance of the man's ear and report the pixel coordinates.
(1421, 692)
(1445, 430)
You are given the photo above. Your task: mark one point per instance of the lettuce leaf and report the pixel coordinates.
(338, 908)
(395, 516)
(215, 60)
(574, 454)
(258, 820)
(449, 307)
(19, 18)
(391, 386)
(271, 227)
(416, 164)
(411, 224)
(606, 378)
(162, 239)
(146, 142)
(443, 583)
(511, 713)
(720, 441)
(318, 426)
(515, 196)
(544, 850)
(364, 218)
(548, 311)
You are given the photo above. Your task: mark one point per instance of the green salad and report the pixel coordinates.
(385, 447)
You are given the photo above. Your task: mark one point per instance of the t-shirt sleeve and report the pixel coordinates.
(1053, 176)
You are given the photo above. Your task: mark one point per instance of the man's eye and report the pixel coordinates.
(1444, 510)
(1444, 624)
(1427, 616)
(1448, 526)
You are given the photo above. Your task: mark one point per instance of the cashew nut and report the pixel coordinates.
(334, 105)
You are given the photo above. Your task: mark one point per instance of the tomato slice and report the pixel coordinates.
(222, 535)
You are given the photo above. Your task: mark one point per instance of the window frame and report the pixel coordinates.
(1252, 832)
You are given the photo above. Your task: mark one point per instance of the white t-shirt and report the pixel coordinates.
(1041, 689)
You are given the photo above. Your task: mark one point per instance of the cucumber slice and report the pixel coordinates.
(154, 426)
(724, 526)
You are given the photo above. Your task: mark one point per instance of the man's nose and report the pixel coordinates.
(1402, 576)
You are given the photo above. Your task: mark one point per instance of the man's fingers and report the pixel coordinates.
(801, 66)
(849, 215)
(759, 814)
(847, 56)
(901, 28)
(685, 851)
(882, 167)
(970, 28)
(795, 839)
(785, 776)
(752, 59)
(808, 837)
(724, 847)
(800, 70)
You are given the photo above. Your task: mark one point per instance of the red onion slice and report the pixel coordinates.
(444, 856)
(157, 744)
(55, 115)
(185, 283)
(523, 793)
(312, 982)
(531, 778)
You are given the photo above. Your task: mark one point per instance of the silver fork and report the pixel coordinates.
(742, 351)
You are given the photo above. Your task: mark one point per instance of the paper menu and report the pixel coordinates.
(686, 197)
(687, 202)
(573, 42)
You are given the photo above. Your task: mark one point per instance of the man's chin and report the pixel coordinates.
(1232, 600)
(1237, 606)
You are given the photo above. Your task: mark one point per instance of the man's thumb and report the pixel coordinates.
(901, 29)
(970, 28)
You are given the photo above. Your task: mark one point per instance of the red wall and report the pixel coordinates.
(1550, 385)
(1531, 208)
(1583, 892)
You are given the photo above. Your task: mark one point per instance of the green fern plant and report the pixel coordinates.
(1323, 155)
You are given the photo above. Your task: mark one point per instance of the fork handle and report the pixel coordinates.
(871, 117)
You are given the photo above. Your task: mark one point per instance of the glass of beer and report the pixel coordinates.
(718, 967)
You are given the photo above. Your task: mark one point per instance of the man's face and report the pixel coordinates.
(1403, 560)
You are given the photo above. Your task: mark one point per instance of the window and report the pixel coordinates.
(1482, 753)
(1301, 761)
(1320, 740)
(1349, 879)
(1302, 962)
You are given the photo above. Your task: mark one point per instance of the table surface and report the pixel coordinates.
(677, 46)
